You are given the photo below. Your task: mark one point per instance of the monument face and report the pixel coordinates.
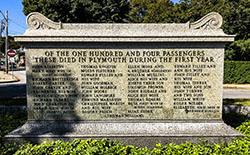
(137, 83)
(117, 84)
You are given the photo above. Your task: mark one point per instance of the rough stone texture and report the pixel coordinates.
(165, 100)
(206, 29)
(132, 133)
(181, 102)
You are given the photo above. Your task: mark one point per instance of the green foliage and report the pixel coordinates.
(104, 146)
(235, 14)
(79, 11)
(236, 18)
(235, 119)
(108, 147)
(237, 72)
(12, 148)
(245, 128)
(237, 22)
(13, 101)
(238, 101)
(193, 10)
(10, 121)
(238, 51)
(149, 11)
(11, 44)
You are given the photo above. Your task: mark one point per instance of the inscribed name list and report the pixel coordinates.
(106, 84)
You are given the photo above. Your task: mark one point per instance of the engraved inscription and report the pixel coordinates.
(97, 84)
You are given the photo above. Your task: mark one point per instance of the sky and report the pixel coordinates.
(17, 20)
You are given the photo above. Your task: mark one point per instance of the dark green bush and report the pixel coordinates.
(238, 51)
(78, 146)
(12, 101)
(245, 128)
(235, 119)
(237, 72)
(11, 148)
(10, 121)
(108, 147)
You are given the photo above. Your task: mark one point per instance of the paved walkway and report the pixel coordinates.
(7, 78)
(236, 93)
(13, 87)
(236, 86)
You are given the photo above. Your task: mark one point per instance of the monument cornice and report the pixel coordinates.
(206, 29)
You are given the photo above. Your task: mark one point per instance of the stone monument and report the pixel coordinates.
(140, 84)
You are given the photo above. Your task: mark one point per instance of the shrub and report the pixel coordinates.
(245, 128)
(78, 146)
(235, 119)
(108, 147)
(237, 72)
(10, 121)
(12, 101)
(238, 51)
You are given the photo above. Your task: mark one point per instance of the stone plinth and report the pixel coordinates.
(139, 84)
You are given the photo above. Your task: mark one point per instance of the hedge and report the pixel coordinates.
(108, 147)
(237, 72)
(11, 121)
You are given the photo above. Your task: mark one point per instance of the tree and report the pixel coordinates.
(237, 22)
(79, 11)
(234, 12)
(237, 19)
(238, 51)
(11, 44)
(193, 10)
(151, 11)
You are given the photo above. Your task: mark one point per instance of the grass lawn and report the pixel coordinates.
(243, 102)
(11, 102)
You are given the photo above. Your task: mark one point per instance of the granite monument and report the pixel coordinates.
(139, 84)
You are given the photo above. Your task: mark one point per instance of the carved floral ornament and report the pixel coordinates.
(211, 21)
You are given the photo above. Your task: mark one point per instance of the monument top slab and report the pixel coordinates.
(206, 29)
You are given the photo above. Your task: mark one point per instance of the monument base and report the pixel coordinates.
(129, 133)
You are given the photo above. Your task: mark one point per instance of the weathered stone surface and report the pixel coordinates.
(205, 30)
(129, 82)
(130, 133)
(151, 85)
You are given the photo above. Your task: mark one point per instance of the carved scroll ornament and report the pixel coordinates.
(36, 20)
(212, 20)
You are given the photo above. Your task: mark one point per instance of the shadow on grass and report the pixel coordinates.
(11, 121)
(234, 119)
(241, 102)
(13, 102)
